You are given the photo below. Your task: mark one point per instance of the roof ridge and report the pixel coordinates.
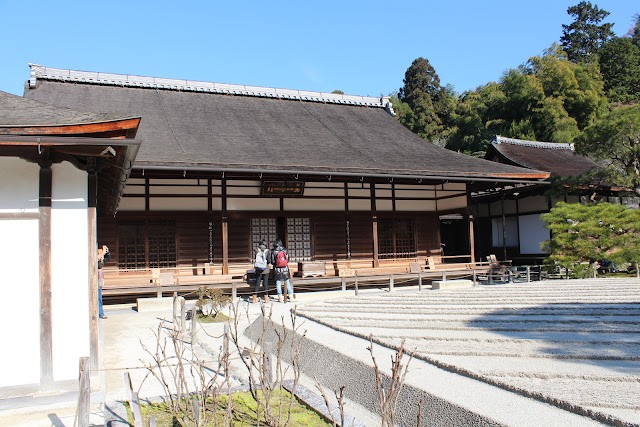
(497, 139)
(112, 79)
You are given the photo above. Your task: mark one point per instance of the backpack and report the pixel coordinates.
(261, 262)
(281, 259)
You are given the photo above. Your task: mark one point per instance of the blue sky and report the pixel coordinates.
(359, 47)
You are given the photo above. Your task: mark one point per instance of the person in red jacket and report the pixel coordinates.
(280, 261)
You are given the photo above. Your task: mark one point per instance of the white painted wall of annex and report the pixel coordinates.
(19, 263)
(69, 270)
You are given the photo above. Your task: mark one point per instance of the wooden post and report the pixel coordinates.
(176, 305)
(473, 277)
(528, 273)
(197, 410)
(128, 386)
(344, 283)
(266, 361)
(637, 271)
(183, 316)
(225, 347)
(356, 286)
(234, 292)
(472, 241)
(391, 283)
(444, 276)
(94, 339)
(84, 393)
(374, 221)
(420, 281)
(225, 229)
(194, 323)
(134, 404)
(46, 327)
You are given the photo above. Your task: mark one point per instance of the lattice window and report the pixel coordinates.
(162, 244)
(299, 239)
(396, 238)
(262, 229)
(133, 238)
(131, 246)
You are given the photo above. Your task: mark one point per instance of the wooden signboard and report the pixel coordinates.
(283, 188)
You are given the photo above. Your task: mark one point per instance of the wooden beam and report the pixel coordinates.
(94, 339)
(46, 326)
(472, 241)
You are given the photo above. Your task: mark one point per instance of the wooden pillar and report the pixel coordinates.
(94, 340)
(374, 220)
(472, 241)
(470, 219)
(46, 326)
(504, 232)
(225, 229)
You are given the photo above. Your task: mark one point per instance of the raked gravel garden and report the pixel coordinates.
(572, 343)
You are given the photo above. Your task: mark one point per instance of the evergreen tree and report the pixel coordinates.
(615, 139)
(427, 100)
(620, 67)
(583, 37)
(586, 234)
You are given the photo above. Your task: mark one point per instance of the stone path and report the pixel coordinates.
(574, 344)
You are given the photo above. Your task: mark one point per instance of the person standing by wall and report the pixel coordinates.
(103, 256)
(261, 267)
(280, 260)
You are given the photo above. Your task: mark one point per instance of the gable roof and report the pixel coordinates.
(559, 159)
(187, 127)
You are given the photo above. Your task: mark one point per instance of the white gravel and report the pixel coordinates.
(575, 344)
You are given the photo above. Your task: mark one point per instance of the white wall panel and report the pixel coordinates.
(532, 233)
(417, 194)
(314, 205)
(415, 205)
(20, 266)
(69, 270)
(533, 204)
(331, 192)
(244, 190)
(453, 203)
(262, 204)
(359, 192)
(384, 205)
(359, 205)
(178, 190)
(18, 185)
(178, 204)
(131, 204)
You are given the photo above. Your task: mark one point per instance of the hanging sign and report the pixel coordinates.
(282, 188)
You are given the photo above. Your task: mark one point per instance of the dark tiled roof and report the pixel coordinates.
(184, 129)
(16, 111)
(558, 159)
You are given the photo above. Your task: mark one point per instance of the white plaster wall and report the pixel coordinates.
(18, 185)
(69, 270)
(257, 204)
(452, 203)
(416, 205)
(176, 204)
(131, 204)
(19, 263)
(300, 204)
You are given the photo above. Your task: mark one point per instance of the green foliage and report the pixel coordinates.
(549, 99)
(620, 67)
(616, 140)
(337, 92)
(244, 412)
(429, 103)
(211, 302)
(583, 37)
(582, 235)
